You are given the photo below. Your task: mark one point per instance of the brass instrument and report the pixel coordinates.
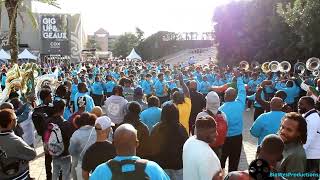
(244, 65)
(284, 67)
(255, 65)
(265, 67)
(316, 73)
(313, 64)
(274, 66)
(300, 68)
(165, 90)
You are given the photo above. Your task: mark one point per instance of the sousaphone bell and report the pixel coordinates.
(299, 68)
(244, 65)
(313, 64)
(274, 66)
(284, 67)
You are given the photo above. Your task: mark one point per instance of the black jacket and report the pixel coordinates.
(39, 117)
(143, 150)
(167, 140)
(198, 102)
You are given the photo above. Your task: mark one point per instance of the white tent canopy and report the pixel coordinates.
(3, 61)
(133, 55)
(4, 55)
(27, 55)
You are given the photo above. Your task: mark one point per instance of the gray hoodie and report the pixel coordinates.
(212, 104)
(115, 108)
(17, 151)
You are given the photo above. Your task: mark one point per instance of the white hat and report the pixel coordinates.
(104, 122)
(213, 102)
(213, 98)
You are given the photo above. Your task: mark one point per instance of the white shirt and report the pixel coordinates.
(28, 130)
(312, 146)
(199, 161)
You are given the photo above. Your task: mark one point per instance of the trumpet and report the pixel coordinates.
(284, 67)
(244, 65)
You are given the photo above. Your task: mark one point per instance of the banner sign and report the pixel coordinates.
(55, 35)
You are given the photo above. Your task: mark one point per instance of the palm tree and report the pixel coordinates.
(0, 14)
(15, 8)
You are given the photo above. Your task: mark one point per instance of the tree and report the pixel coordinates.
(139, 34)
(303, 17)
(252, 30)
(16, 8)
(92, 44)
(124, 44)
(1, 2)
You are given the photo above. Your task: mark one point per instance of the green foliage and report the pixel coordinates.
(124, 44)
(303, 17)
(253, 30)
(92, 44)
(16, 8)
(139, 34)
(153, 47)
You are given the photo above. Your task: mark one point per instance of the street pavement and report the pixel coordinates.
(37, 167)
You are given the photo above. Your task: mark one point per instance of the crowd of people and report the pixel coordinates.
(145, 120)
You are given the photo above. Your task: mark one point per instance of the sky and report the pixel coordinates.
(151, 16)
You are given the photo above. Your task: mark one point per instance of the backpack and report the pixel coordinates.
(8, 169)
(222, 128)
(53, 141)
(39, 118)
(137, 174)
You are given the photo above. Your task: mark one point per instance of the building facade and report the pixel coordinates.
(56, 34)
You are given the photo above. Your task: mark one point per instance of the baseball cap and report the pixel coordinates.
(138, 91)
(103, 123)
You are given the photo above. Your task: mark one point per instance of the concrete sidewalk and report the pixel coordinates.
(37, 167)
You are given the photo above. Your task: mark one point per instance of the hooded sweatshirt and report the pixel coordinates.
(115, 108)
(18, 153)
(212, 104)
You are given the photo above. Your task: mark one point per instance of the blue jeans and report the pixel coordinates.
(74, 164)
(174, 174)
(62, 164)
